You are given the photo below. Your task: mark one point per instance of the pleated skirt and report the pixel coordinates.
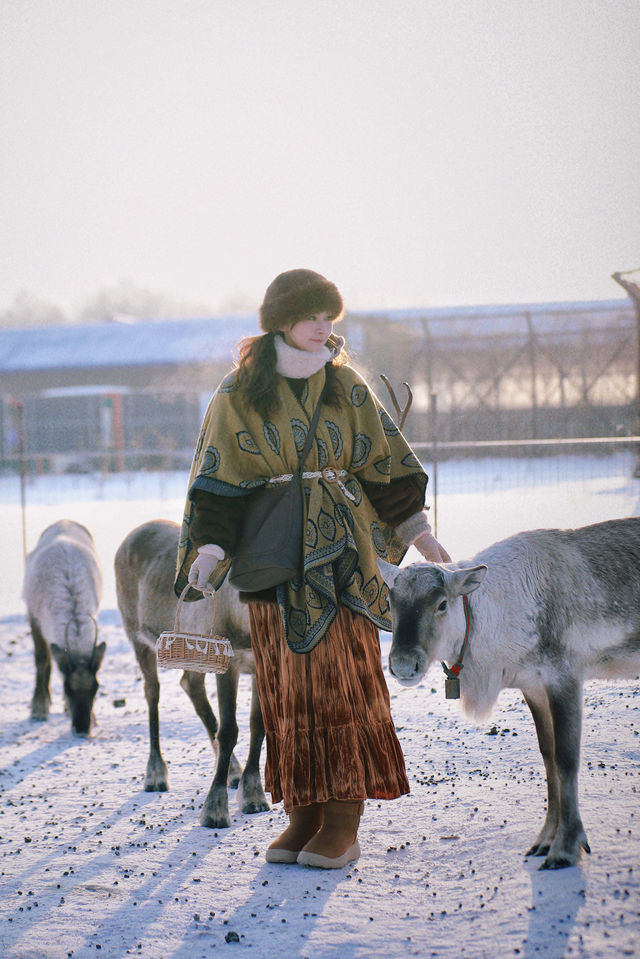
(327, 717)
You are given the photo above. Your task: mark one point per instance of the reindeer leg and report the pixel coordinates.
(253, 797)
(215, 810)
(41, 699)
(565, 701)
(235, 772)
(157, 775)
(193, 685)
(538, 703)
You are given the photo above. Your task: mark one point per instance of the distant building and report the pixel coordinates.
(119, 396)
(112, 395)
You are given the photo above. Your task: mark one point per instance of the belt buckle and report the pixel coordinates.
(329, 474)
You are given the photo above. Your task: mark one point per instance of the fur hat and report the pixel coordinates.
(296, 294)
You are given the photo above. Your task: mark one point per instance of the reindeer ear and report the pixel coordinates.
(98, 656)
(388, 572)
(461, 582)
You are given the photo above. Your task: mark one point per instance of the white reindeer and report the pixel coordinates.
(62, 591)
(545, 610)
(145, 564)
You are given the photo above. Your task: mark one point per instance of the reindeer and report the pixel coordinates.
(541, 611)
(62, 591)
(145, 568)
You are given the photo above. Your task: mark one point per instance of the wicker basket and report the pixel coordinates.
(194, 651)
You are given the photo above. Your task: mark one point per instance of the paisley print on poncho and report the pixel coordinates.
(238, 452)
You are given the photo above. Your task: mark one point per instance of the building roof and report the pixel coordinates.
(512, 319)
(172, 354)
(109, 345)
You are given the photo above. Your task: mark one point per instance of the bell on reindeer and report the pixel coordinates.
(452, 683)
(452, 688)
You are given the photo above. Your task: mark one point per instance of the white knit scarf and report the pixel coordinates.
(300, 364)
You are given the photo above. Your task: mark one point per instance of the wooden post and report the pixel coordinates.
(632, 287)
(534, 371)
(434, 455)
(19, 407)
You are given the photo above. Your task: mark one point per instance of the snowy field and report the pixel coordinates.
(93, 865)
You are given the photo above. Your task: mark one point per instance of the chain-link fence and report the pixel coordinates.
(476, 494)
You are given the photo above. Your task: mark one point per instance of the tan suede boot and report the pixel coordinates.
(336, 843)
(304, 822)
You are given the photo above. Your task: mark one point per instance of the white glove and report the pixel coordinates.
(431, 549)
(416, 531)
(203, 566)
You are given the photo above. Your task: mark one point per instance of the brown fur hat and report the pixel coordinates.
(296, 294)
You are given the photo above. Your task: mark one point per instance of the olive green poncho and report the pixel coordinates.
(238, 452)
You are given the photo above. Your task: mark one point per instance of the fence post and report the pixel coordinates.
(533, 370)
(23, 474)
(631, 283)
(434, 457)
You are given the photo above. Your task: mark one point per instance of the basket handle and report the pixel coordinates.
(210, 593)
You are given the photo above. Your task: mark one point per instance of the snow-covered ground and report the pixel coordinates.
(92, 865)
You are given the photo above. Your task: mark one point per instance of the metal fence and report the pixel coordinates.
(489, 467)
(510, 373)
(459, 472)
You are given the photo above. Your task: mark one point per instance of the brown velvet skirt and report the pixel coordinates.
(326, 713)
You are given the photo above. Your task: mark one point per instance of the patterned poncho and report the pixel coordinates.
(238, 452)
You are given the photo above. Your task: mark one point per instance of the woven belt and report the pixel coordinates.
(328, 474)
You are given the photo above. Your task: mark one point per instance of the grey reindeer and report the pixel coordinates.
(546, 609)
(145, 564)
(62, 591)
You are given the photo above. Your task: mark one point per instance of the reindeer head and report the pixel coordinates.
(427, 614)
(79, 683)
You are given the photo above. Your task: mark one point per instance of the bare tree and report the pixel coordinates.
(126, 298)
(29, 310)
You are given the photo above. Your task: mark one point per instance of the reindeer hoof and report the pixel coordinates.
(566, 858)
(209, 821)
(156, 788)
(255, 805)
(39, 710)
(537, 850)
(556, 864)
(156, 779)
(251, 798)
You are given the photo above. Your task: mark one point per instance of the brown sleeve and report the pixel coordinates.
(397, 501)
(216, 519)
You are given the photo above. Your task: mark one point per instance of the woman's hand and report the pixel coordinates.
(203, 566)
(431, 549)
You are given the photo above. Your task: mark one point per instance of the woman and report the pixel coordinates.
(331, 742)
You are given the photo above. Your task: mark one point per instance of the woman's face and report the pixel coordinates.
(309, 334)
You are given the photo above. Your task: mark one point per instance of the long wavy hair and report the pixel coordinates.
(257, 381)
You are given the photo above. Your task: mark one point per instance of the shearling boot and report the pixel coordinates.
(304, 822)
(336, 843)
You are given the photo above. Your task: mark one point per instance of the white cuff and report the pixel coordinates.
(409, 529)
(210, 549)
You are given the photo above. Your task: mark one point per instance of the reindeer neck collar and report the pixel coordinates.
(452, 683)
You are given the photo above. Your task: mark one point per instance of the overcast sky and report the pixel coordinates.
(418, 152)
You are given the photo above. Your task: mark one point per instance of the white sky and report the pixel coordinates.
(418, 152)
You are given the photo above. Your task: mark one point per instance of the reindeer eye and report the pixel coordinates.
(442, 608)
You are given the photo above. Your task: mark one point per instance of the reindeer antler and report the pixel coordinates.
(401, 413)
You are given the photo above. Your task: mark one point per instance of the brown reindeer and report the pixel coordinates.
(145, 568)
